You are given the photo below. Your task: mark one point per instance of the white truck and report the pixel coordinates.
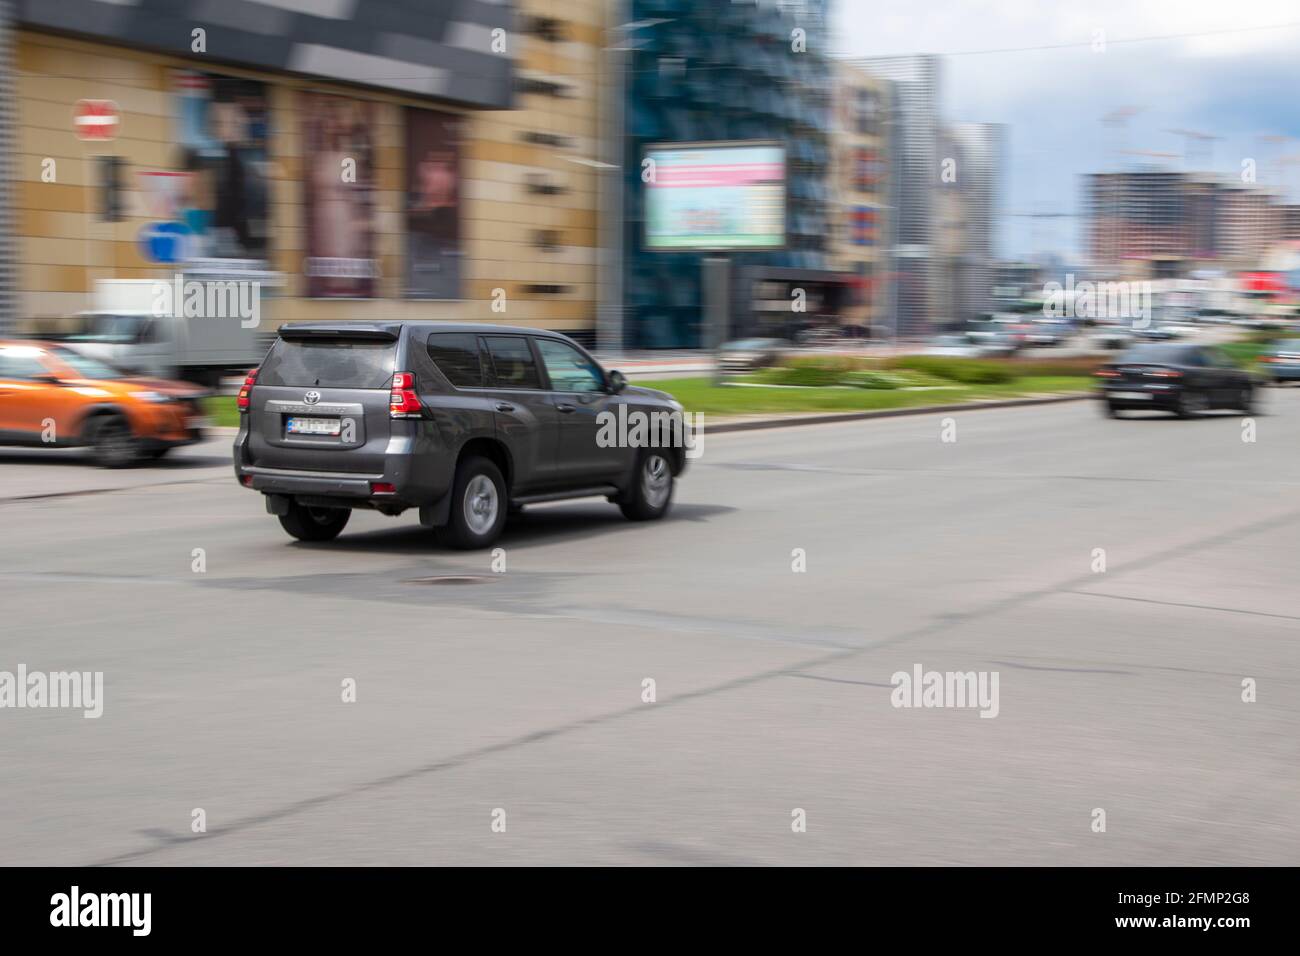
(128, 328)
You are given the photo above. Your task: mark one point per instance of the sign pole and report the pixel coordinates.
(715, 280)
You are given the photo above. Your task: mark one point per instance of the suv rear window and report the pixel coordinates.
(340, 363)
(456, 355)
(1156, 354)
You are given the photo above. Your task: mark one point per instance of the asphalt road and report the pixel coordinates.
(1119, 690)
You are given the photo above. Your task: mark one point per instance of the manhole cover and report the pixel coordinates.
(451, 579)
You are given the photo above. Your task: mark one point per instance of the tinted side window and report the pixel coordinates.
(569, 369)
(512, 362)
(456, 355)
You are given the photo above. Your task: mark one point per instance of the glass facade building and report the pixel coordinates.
(705, 71)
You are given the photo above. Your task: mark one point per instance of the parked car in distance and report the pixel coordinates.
(953, 345)
(1153, 333)
(459, 422)
(962, 346)
(821, 336)
(1281, 361)
(1174, 377)
(53, 396)
(1113, 337)
(1002, 338)
(747, 355)
(1047, 332)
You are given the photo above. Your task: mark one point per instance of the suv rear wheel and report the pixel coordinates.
(314, 524)
(652, 488)
(478, 505)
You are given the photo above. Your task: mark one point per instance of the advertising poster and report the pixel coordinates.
(338, 157)
(433, 255)
(220, 199)
(715, 196)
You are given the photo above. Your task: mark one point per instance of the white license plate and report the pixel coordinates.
(312, 426)
(1130, 396)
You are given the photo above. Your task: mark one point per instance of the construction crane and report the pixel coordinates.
(1117, 121)
(1198, 147)
(1148, 152)
(1037, 217)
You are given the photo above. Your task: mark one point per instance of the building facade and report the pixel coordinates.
(861, 183)
(970, 206)
(915, 175)
(372, 160)
(696, 72)
(1156, 223)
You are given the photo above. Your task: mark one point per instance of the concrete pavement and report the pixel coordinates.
(523, 691)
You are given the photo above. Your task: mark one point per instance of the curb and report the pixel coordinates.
(832, 417)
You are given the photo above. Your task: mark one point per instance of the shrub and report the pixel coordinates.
(963, 370)
(806, 375)
(869, 379)
(1082, 365)
(813, 370)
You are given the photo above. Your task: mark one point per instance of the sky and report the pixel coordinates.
(1228, 69)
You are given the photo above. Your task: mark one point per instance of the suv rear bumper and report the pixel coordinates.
(417, 478)
(279, 482)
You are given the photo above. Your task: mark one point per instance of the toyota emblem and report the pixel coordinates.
(311, 398)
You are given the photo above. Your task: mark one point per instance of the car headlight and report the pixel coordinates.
(151, 397)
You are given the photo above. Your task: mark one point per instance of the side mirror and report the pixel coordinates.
(47, 378)
(617, 382)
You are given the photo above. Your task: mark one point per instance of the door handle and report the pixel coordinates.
(505, 407)
(566, 407)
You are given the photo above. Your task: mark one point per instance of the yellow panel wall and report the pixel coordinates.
(64, 250)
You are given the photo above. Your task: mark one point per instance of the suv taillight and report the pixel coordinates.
(403, 402)
(249, 381)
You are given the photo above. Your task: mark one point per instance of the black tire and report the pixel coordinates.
(156, 453)
(112, 442)
(478, 505)
(651, 493)
(314, 524)
(1247, 402)
(1109, 410)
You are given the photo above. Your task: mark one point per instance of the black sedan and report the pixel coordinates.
(1183, 379)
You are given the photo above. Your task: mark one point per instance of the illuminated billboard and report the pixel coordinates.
(715, 196)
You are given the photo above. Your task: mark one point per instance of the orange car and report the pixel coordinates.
(53, 395)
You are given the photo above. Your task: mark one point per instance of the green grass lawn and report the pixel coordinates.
(221, 409)
(701, 395)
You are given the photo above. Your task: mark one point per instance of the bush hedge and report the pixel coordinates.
(963, 370)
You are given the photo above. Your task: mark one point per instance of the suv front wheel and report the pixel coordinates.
(652, 488)
(478, 505)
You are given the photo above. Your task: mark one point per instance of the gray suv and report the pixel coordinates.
(463, 422)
